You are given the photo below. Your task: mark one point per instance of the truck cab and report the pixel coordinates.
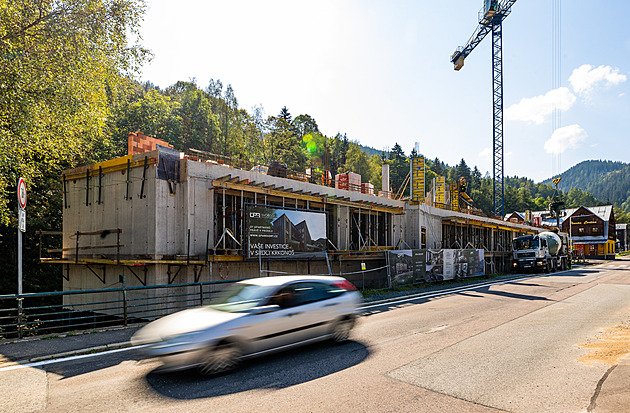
(546, 251)
(530, 252)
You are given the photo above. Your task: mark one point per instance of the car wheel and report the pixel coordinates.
(341, 330)
(223, 357)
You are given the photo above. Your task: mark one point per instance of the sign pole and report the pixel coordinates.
(19, 262)
(21, 195)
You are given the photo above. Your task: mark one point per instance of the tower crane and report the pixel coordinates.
(490, 18)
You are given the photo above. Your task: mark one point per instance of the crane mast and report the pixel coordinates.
(490, 18)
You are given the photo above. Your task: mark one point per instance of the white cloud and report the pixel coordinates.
(567, 137)
(486, 153)
(586, 77)
(538, 108)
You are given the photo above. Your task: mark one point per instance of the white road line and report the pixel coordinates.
(439, 293)
(71, 358)
(402, 300)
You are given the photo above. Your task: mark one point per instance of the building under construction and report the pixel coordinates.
(158, 217)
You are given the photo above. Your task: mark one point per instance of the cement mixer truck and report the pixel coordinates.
(546, 251)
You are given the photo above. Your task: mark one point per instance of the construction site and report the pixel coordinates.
(158, 217)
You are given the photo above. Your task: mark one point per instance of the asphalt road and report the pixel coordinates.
(509, 347)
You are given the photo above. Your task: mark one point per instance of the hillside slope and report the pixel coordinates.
(607, 180)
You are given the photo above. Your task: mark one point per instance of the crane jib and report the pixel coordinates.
(490, 18)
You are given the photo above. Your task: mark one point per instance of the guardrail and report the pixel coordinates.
(30, 314)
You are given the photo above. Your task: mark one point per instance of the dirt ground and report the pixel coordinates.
(609, 347)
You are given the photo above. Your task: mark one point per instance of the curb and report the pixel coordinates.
(80, 352)
(127, 344)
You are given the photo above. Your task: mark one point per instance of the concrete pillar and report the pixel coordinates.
(343, 227)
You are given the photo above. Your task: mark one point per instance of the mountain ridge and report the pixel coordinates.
(608, 181)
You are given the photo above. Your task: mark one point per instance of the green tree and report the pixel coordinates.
(376, 172)
(155, 114)
(356, 161)
(463, 171)
(305, 124)
(398, 169)
(338, 148)
(475, 179)
(199, 126)
(282, 144)
(63, 66)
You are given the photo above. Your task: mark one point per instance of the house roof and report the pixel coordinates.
(520, 214)
(603, 212)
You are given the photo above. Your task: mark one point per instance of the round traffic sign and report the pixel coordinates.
(22, 192)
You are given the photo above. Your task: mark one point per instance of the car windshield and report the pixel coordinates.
(241, 297)
(525, 243)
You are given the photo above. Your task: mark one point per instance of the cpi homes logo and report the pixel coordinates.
(253, 214)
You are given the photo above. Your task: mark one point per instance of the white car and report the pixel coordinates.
(251, 318)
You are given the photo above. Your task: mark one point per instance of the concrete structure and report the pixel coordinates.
(161, 217)
(172, 218)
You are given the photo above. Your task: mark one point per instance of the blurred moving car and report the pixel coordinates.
(251, 318)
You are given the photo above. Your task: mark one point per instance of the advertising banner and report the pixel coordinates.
(276, 232)
(418, 266)
(407, 267)
(450, 264)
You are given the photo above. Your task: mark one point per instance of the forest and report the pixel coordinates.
(606, 180)
(70, 95)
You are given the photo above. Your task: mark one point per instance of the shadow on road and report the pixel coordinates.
(577, 272)
(488, 291)
(272, 372)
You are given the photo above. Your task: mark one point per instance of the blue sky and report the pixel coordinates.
(380, 72)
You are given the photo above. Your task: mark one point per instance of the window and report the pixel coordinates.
(304, 293)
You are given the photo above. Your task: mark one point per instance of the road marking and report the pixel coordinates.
(457, 290)
(434, 329)
(392, 302)
(71, 358)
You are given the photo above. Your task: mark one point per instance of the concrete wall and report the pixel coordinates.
(135, 216)
(156, 226)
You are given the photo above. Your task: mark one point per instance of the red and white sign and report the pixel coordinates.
(21, 193)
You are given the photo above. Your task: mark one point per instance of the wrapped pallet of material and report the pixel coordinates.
(367, 188)
(354, 181)
(341, 181)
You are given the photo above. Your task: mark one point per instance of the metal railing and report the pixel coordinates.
(30, 314)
